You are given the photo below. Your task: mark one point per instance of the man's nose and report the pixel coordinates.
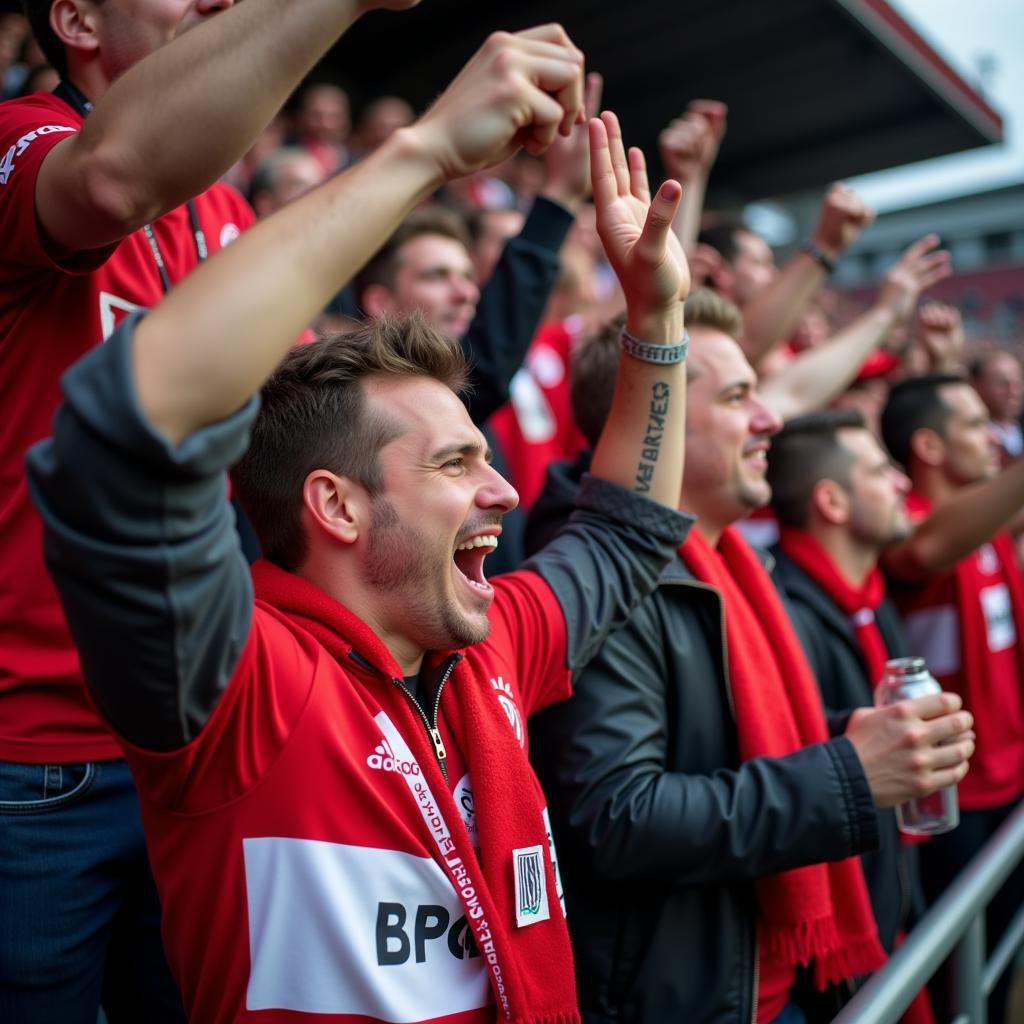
(765, 420)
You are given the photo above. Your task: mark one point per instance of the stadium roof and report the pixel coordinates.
(817, 89)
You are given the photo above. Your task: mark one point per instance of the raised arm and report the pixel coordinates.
(618, 540)
(772, 314)
(214, 340)
(641, 446)
(131, 487)
(177, 120)
(822, 373)
(940, 337)
(962, 522)
(689, 146)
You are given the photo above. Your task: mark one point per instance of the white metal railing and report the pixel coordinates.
(954, 927)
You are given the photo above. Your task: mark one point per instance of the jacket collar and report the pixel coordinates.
(677, 572)
(796, 583)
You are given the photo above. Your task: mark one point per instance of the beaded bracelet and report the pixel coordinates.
(648, 353)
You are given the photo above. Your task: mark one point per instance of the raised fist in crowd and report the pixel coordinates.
(844, 215)
(519, 89)
(689, 145)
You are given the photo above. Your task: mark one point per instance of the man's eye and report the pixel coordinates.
(456, 463)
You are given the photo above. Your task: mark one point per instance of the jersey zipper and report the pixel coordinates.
(440, 754)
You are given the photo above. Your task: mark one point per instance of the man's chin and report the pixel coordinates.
(470, 630)
(456, 328)
(755, 495)
(901, 531)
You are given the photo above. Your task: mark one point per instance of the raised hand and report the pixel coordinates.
(843, 216)
(920, 266)
(940, 333)
(636, 230)
(520, 89)
(689, 144)
(567, 159)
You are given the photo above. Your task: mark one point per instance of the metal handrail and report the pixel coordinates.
(955, 923)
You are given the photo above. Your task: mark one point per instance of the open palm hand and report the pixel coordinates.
(634, 228)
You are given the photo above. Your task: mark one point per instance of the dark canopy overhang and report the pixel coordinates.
(817, 89)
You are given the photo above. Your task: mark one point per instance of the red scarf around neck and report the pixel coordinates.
(536, 962)
(820, 912)
(859, 604)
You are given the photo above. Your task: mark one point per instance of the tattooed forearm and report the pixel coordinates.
(652, 439)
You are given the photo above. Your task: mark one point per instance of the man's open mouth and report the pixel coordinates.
(469, 559)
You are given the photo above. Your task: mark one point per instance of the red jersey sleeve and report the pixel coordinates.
(29, 129)
(527, 622)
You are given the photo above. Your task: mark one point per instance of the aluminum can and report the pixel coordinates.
(906, 679)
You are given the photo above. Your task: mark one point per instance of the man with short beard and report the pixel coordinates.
(958, 585)
(840, 502)
(348, 749)
(707, 819)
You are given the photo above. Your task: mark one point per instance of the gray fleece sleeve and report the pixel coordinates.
(606, 560)
(139, 538)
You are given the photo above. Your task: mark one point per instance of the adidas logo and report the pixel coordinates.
(383, 760)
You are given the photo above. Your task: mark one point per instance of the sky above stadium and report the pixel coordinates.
(965, 34)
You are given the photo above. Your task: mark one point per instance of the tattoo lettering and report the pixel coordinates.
(652, 439)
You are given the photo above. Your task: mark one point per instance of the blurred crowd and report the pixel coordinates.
(720, 787)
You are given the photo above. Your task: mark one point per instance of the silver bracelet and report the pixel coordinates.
(648, 353)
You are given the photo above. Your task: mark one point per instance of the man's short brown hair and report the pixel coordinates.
(595, 363)
(314, 415)
(806, 450)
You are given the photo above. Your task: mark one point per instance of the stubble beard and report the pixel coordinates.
(403, 559)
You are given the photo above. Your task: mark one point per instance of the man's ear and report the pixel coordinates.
(928, 447)
(831, 502)
(336, 505)
(74, 23)
(376, 299)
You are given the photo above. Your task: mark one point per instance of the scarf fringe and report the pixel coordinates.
(818, 940)
(850, 961)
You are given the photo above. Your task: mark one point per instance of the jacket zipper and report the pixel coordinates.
(732, 707)
(757, 979)
(440, 754)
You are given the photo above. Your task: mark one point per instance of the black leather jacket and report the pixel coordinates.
(661, 831)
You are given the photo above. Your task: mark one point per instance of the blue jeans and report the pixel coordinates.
(79, 914)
